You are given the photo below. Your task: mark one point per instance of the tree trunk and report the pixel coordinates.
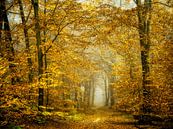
(112, 101)
(106, 91)
(86, 95)
(8, 41)
(45, 57)
(144, 18)
(27, 43)
(39, 52)
(93, 91)
(1, 21)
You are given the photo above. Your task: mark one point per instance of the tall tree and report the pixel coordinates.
(144, 19)
(39, 51)
(1, 21)
(8, 45)
(45, 56)
(27, 43)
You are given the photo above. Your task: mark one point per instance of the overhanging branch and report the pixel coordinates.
(162, 4)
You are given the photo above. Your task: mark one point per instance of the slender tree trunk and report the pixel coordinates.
(1, 21)
(93, 91)
(111, 91)
(106, 91)
(27, 43)
(76, 98)
(8, 41)
(144, 18)
(45, 57)
(39, 52)
(86, 95)
(112, 101)
(120, 3)
(89, 93)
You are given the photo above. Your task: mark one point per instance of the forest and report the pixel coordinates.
(86, 64)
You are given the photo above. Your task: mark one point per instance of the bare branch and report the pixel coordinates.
(29, 13)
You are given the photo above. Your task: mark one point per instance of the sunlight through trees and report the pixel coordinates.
(71, 60)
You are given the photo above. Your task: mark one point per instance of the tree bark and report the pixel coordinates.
(144, 18)
(93, 91)
(27, 43)
(112, 101)
(45, 57)
(1, 21)
(8, 41)
(39, 52)
(87, 95)
(106, 91)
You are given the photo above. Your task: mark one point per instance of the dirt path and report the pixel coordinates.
(100, 119)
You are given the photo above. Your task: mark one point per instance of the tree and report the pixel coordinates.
(7, 44)
(39, 52)
(27, 43)
(144, 19)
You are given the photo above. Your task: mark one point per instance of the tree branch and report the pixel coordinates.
(28, 14)
(162, 4)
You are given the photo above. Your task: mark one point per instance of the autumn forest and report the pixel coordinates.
(86, 64)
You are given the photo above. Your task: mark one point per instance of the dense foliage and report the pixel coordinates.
(53, 53)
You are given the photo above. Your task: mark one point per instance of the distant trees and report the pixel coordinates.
(59, 20)
(50, 50)
(139, 82)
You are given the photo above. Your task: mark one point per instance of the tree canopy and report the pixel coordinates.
(60, 55)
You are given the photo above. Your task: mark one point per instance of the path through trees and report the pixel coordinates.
(102, 118)
(62, 58)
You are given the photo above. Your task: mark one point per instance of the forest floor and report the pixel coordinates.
(103, 118)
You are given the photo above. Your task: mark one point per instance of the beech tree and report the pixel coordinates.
(27, 43)
(144, 20)
(64, 54)
(7, 43)
(39, 51)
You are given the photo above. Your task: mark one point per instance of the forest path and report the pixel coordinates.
(102, 118)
